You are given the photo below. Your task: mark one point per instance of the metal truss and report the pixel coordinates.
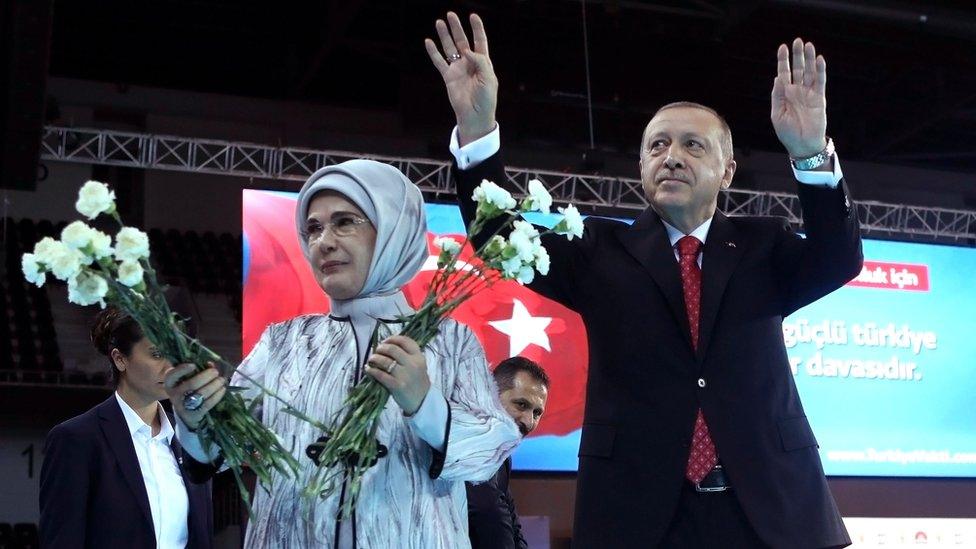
(607, 195)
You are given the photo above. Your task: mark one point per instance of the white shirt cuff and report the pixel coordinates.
(820, 179)
(430, 420)
(191, 442)
(477, 151)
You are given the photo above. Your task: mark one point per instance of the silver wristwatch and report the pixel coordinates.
(815, 161)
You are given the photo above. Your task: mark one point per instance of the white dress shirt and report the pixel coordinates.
(168, 500)
(675, 234)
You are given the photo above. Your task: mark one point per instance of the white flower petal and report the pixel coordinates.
(32, 270)
(44, 249)
(95, 198)
(87, 289)
(101, 244)
(131, 244)
(511, 267)
(542, 260)
(571, 224)
(130, 273)
(447, 244)
(541, 200)
(489, 192)
(64, 262)
(77, 235)
(526, 274)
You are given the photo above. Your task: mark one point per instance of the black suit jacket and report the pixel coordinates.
(92, 492)
(646, 383)
(492, 520)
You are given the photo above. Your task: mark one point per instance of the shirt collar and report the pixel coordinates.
(675, 234)
(135, 423)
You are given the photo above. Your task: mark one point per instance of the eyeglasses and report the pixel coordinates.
(343, 225)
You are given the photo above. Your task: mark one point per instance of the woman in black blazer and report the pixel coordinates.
(113, 476)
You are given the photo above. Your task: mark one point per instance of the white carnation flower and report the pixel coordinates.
(95, 198)
(44, 249)
(33, 271)
(572, 223)
(131, 244)
(525, 275)
(130, 273)
(542, 260)
(527, 228)
(539, 199)
(87, 288)
(490, 193)
(64, 262)
(510, 267)
(77, 235)
(101, 244)
(447, 244)
(523, 238)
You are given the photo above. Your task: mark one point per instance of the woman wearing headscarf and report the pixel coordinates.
(363, 229)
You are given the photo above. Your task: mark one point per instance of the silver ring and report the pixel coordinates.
(392, 367)
(453, 57)
(192, 401)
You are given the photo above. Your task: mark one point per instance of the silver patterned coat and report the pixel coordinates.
(311, 362)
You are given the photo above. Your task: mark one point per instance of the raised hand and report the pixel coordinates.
(799, 105)
(469, 77)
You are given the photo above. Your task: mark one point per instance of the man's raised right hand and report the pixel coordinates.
(469, 77)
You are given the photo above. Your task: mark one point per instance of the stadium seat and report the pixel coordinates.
(6, 535)
(26, 536)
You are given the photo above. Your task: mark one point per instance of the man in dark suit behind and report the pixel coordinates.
(493, 522)
(693, 431)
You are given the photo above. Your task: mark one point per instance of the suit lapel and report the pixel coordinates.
(647, 241)
(116, 431)
(719, 258)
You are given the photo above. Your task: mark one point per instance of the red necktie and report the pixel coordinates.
(703, 457)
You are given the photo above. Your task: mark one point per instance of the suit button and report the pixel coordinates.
(701, 382)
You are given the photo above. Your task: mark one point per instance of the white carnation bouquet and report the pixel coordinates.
(350, 447)
(98, 272)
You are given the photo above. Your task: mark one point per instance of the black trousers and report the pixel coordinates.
(710, 520)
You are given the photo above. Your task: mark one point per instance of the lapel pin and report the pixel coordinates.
(730, 244)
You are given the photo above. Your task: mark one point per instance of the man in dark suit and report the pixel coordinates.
(493, 522)
(92, 488)
(693, 431)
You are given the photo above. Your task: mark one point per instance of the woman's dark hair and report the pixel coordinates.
(113, 328)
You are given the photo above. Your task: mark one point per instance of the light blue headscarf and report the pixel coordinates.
(395, 207)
